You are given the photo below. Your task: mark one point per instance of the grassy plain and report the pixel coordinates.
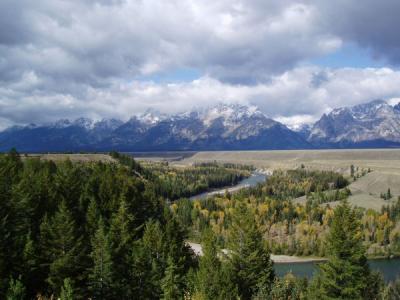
(384, 164)
(76, 157)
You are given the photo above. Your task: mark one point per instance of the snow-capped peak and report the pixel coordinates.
(62, 123)
(85, 123)
(338, 111)
(230, 113)
(108, 124)
(151, 116)
(375, 120)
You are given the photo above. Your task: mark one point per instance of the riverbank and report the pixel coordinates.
(219, 191)
(256, 177)
(278, 259)
(288, 259)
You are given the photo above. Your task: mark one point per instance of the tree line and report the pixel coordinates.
(293, 227)
(173, 183)
(104, 231)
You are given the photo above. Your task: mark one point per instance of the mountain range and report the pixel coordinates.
(373, 124)
(223, 127)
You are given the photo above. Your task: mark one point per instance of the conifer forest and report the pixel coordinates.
(121, 230)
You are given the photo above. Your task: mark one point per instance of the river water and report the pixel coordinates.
(255, 178)
(390, 268)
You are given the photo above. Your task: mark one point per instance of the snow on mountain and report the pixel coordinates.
(365, 124)
(231, 114)
(151, 116)
(62, 123)
(85, 123)
(107, 124)
(217, 128)
(221, 127)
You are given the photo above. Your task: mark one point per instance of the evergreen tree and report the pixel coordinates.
(5, 247)
(209, 274)
(150, 260)
(92, 216)
(67, 292)
(388, 194)
(346, 275)
(16, 290)
(121, 238)
(228, 288)
(61, 248)
(172, 282)
(175, 243)
(153, 240)
(32, 277)
(100, 277)
(10, 251)
(251, 262)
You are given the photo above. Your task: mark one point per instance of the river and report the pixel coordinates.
(253, 180)
(390, 268)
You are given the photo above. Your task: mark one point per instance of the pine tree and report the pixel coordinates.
(5, 249)
(61, 248)
(346, 275)
(32, 277)
(208, 276)
(388, 194)
(175, 244)
(251, 262)
(92, 216)
(100, 277)
(67, 292)
(16, 290)
(121, 237)
(150, 259)
(172, 282)
(228, 288)
(153, 240)
(10, 172)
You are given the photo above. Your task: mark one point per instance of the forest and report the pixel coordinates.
(173, 183)
(110, 231)
(293, 228)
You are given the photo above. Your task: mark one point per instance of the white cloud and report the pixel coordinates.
(86, 58)
(296, 96)
(236, 41)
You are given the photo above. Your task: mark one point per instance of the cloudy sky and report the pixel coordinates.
(116, 58)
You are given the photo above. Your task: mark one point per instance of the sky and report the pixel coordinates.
(295, 60)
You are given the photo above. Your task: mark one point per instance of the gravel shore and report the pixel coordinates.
(279, 259)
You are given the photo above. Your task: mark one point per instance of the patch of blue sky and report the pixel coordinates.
(350, 56)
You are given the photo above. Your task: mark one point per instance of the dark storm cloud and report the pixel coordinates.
(91, 41)
(371, 24)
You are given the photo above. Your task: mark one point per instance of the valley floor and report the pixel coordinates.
(366, 190)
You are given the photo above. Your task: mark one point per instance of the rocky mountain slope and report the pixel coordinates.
(223, 127)
(373, 124)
